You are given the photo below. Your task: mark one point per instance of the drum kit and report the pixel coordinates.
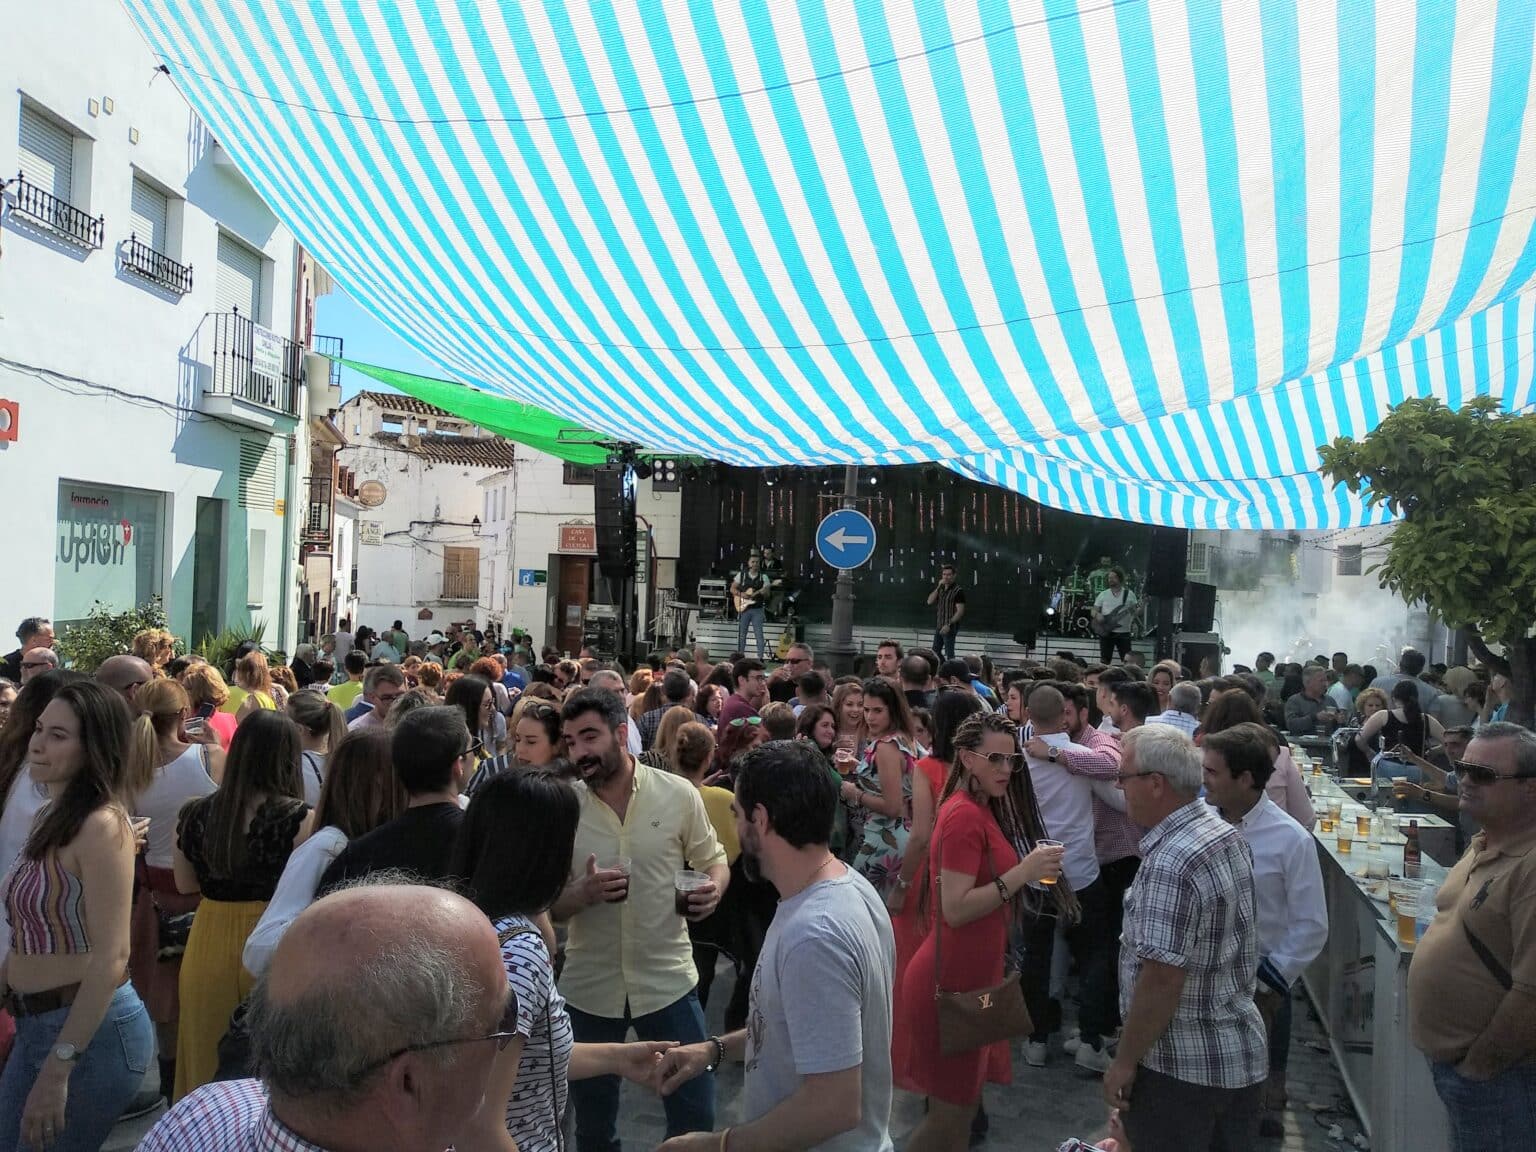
(1069, 607)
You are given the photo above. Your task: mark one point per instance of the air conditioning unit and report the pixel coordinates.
(1198, 564)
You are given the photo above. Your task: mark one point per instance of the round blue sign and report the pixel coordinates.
(845, 539)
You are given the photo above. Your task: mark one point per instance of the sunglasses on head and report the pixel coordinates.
(1482, 774)
(743, 720)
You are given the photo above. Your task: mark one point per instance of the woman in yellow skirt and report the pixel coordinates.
(232, 846)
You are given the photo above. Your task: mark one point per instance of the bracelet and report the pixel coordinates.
(719, 1056)
(1002, 889)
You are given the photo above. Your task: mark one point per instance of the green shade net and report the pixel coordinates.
(534, 427)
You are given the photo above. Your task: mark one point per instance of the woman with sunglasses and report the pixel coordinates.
(472, 695)
(882, 787)
(514, 850)
(987, 807)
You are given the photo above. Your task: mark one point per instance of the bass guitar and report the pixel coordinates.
(1118, 620)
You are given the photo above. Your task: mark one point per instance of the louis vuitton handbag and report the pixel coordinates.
(971, 1020)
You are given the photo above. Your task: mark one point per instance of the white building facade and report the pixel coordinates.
(413, 478)
(539, 549)
(151, 344)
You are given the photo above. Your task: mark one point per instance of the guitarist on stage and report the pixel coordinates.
(1112, 611)
(748, 588)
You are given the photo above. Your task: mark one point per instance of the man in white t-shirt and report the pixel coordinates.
(817, 1051)
(1112, 612)
(1066, 809)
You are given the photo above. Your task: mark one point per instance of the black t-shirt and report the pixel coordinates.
(420, 841)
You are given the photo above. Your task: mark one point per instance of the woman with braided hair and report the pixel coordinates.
(985, 861)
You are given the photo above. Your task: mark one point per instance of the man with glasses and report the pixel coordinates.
(751, 691)
(1192, 1059)
(434, 757)
(366, 1036)
(383, 684)
(33, 632)
(1472, 986)
(797, 662)
(38, 661)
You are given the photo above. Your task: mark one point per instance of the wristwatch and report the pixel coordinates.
(66, 1052)
(1054, 754)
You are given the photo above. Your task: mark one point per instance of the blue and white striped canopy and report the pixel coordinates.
(1134, 258)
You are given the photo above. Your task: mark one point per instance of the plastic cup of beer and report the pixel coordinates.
(1346, 837)
(1407, 900)
(617, 864)
(1362, 824)
(1397, 886)
(685, 882)
(1326, 822)
(1048, 844)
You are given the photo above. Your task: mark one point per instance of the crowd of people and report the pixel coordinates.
(430, 888)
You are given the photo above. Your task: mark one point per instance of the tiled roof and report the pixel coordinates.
(474, 451)
(398, 403)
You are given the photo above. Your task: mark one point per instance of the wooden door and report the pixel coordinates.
(575, 586)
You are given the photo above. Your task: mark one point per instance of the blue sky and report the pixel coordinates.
(369, 341)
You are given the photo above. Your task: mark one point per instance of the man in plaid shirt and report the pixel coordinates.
(1192, 1059)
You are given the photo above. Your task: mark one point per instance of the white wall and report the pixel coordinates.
(73, 326)
(523, 508)
(427, 506)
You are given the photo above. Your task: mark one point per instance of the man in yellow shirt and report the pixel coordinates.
(629, 961)
(345, 694)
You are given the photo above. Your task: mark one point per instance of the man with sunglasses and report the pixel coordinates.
(1472, 985)
(366, 1036)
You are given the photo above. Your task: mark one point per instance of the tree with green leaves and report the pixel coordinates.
(1464, 484)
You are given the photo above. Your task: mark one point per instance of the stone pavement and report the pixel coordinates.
(1036, 1113)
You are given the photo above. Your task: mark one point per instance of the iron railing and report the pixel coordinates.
(269, 376)
(330, 346)
(317, 520)
(461, 585)
(158, 268)
(58, 215)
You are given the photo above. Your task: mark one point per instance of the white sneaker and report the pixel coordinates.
(1069, 1045)
(1034, 1053)
(1096, 1060)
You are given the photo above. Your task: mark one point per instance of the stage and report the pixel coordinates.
(719, 637)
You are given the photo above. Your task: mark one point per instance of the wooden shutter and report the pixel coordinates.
(147, 215)
(47, 154)
(239, 279)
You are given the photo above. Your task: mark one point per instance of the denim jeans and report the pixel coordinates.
(690, 1109)
(101, 1083)
(753, 618)
(1498, 1113)
(944, 642)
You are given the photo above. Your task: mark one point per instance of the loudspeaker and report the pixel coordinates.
(614, 494)
(1166, 557)
(1199, 607)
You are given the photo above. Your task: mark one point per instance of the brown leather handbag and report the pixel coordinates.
(972, 1020)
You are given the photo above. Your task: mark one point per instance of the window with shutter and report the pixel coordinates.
(239, 279)
(47, 154)
(149, 210)
(461, 573)
(258, 474)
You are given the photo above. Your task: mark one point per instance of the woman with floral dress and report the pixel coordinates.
(882, 787)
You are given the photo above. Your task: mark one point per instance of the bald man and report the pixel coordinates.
(367, 1038)
(124, 674)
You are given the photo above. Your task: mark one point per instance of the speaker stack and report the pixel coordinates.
(614, 491)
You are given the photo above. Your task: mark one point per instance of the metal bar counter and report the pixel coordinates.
(1359, 983)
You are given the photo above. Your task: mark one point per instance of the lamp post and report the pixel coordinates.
(840, 651)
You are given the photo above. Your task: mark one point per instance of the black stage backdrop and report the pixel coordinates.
(1009, 551)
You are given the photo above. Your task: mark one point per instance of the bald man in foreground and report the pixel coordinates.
(373, 1030)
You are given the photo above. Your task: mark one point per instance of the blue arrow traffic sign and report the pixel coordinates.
(845, 539)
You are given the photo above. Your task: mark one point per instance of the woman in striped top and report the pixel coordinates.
(83, 1038)
(518, 835)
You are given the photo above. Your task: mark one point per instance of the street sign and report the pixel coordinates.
(845, 539)
(532, 577)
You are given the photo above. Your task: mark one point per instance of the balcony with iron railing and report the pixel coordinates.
(330, 347)
(461, 585)
(36, 205)
(253, 374)
(317, 519)
(159, 269)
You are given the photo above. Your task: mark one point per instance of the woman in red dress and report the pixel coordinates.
(910, 915)
(988, 805)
